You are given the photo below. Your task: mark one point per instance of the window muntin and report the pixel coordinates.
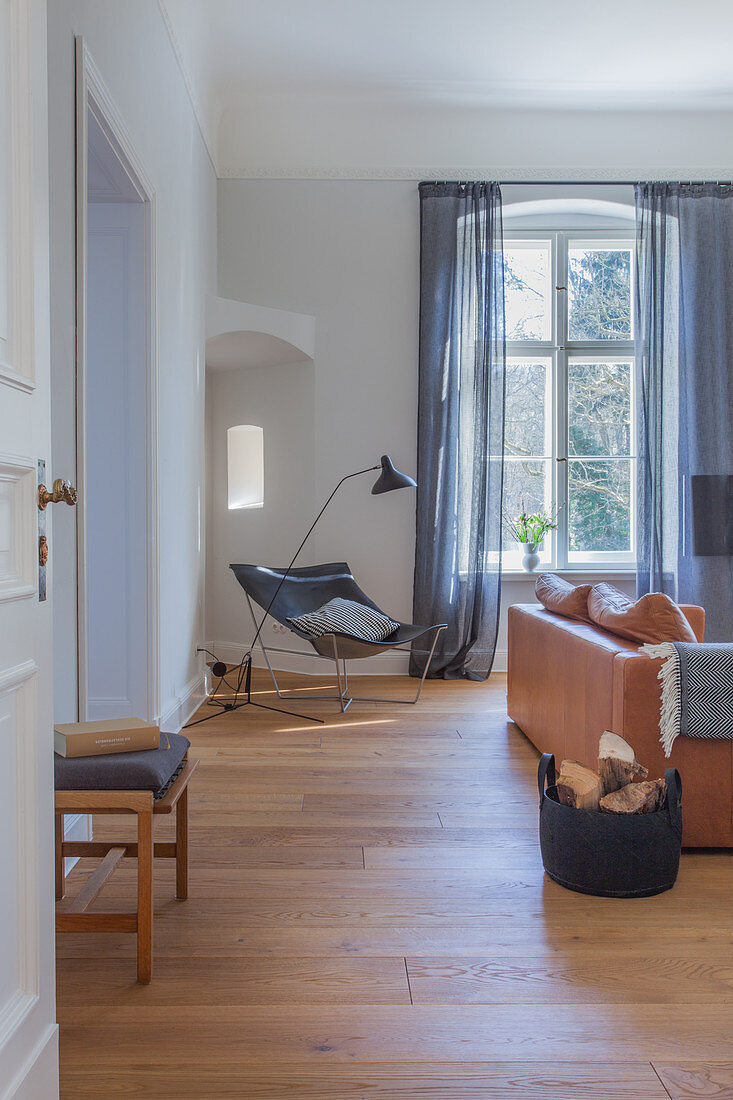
(570, 437)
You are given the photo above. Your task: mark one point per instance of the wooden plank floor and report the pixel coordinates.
(368, 918)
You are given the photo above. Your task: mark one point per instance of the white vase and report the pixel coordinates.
(531, 558)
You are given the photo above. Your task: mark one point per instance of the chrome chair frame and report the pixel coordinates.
(342, 696)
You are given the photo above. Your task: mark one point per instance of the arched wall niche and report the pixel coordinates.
(260, 372)
(240, 335)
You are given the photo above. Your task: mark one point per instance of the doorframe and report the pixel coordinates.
(92, 95)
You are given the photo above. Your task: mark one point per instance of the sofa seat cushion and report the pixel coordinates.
(652, 618)
(558, 595)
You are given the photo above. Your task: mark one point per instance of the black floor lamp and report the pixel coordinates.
(389, 479)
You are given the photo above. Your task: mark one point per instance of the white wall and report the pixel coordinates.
(131, 48)
(381, 136)
(280, 400)
(348, 253)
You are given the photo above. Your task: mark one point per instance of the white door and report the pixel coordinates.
(28, 1036)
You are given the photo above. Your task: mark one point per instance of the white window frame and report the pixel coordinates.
(559, 350)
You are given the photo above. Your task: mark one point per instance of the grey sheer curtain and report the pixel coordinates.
(460, 426)
(684, 336)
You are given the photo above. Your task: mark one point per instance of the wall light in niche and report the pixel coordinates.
(245, 466)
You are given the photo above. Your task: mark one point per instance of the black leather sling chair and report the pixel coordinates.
(307, 589)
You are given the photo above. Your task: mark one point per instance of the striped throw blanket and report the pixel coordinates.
(697, 690)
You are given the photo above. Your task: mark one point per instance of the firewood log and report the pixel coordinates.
(578, 786)
(617, 763)
(635, 798)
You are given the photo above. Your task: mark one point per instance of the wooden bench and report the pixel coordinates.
(72, 914)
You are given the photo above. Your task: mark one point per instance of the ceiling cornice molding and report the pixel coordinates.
(532, 174)
(188, 83)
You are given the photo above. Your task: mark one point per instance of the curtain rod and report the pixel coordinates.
(595, 183)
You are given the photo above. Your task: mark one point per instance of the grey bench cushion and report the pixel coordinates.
(151, 770)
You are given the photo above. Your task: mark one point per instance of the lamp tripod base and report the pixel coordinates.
(248, 701)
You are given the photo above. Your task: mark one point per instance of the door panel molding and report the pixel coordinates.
(18, 710)
(17, 353)
(18, 527)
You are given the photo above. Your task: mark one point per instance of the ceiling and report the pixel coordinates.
(258, 67)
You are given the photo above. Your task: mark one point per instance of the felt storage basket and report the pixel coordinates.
(611, 855)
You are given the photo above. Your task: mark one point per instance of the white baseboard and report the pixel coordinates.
(390, 663)
(39, 1077)
(500, 661)
(308, 663)
(100, 708)
(183, 706)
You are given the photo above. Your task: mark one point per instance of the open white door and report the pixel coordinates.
(28, 1035)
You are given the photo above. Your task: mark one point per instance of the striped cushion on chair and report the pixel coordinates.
(346, 617)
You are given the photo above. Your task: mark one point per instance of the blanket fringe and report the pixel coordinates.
(669, 675)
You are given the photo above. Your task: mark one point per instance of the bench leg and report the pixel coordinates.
(144, 897)
(182, 845)
(58, 856)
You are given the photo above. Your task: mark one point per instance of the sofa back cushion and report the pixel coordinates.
(653, 618)
(563, 598)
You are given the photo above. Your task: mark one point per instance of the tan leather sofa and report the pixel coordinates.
(569, 681)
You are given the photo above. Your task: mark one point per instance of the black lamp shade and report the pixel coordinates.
(390, 479)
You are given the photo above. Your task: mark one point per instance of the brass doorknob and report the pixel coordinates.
(62, 490)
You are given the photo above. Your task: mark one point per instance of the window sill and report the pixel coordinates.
(617, 572)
